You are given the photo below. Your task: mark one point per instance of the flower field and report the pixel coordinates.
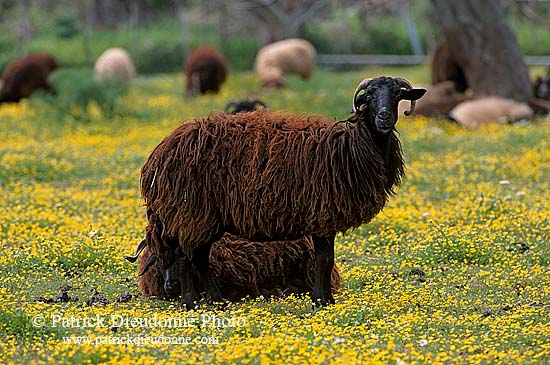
(455, 270)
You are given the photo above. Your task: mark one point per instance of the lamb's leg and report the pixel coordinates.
(324, 261)
(201, 259)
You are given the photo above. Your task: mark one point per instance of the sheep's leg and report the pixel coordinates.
(189, 295)
(201, 259)
(324, 261)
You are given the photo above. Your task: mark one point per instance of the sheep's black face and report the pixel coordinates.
(173, 275)
(243, 106)
(172, 284)
(378, 99)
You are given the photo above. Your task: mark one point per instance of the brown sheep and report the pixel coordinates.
(244, 268)
(439, 100)
(206, 70)
(273, 176)
(445, 68)
(442, 98)
(25, 75)
(540, 106)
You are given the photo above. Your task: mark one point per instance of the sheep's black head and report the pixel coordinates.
(377, 100)
(172, 283)
(243, 106)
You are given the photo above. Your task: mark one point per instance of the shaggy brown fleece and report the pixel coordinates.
(25, 75)
(264, 176)
(206, 70)
(245, 268)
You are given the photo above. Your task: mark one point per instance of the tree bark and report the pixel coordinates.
(85, 25)
(483, 44)
(24, 31)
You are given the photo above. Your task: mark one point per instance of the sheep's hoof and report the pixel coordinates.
(188, 302)
(222, 302)
(323, 301)
(213, 296)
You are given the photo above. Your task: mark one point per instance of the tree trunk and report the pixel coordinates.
(24, 31)
(406, 14)
(85, 25)
(184, 18)
(483, 44)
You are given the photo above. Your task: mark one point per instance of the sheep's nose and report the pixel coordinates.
(384, 114)
(172, 287)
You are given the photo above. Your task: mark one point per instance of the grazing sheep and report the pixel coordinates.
(445, 68)
(244, 268)
(243, 106)
(206, 70)
(25, 75)
(290, 56)
(489, 109)
(114, 65)
(272, 176)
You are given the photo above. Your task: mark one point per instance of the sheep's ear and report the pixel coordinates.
(259, 102)
(150, 261)
(412, 94)
(140, 248)
(230, 107)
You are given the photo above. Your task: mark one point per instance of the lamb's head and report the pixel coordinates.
(376, 101)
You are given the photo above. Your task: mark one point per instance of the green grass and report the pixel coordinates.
(438, 277)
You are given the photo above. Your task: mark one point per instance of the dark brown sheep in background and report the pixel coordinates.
(272, 176)
(243, 106)
(439, 100)
(445, 68)
(206, 70)
(243, 268)
(25, 75)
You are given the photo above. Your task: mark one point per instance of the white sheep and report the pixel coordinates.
(290, 56)
(473, 113)
(115, 64)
